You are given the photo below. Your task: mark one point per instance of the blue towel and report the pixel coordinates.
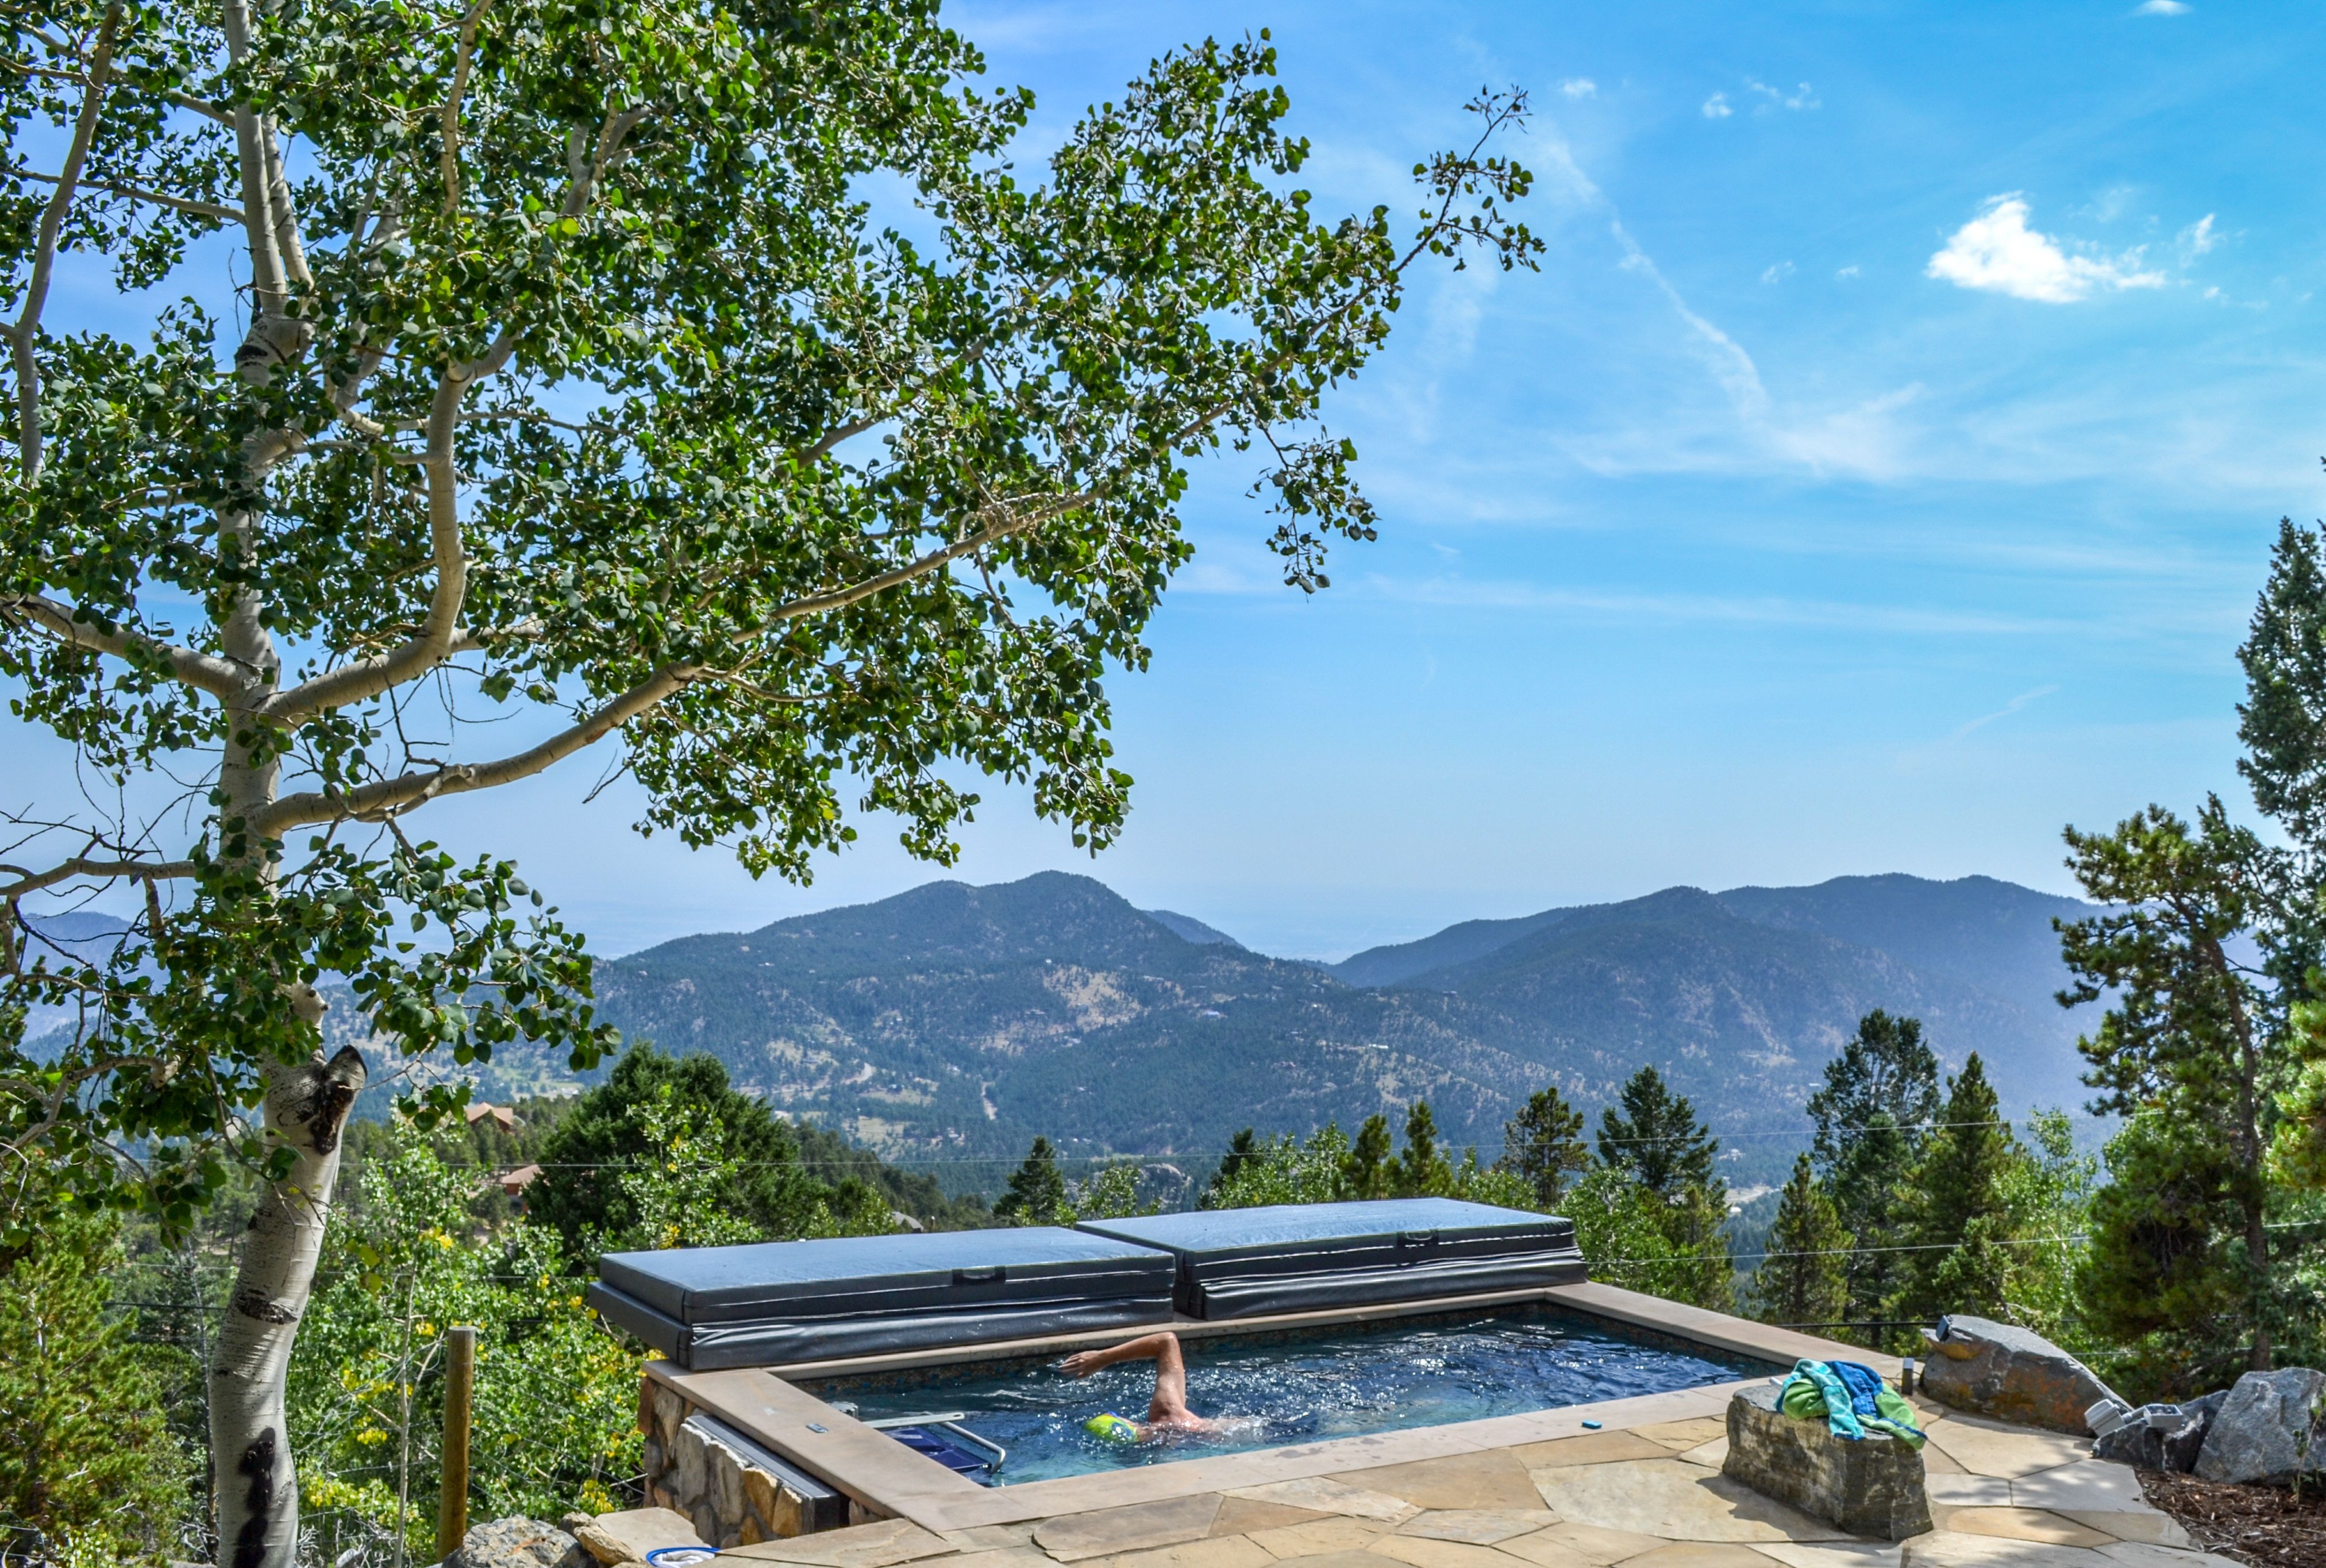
(1863, 1383)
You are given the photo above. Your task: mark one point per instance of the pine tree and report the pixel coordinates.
(1957, 1216)
(1805, 1278)
(1421, 1171)
(1872, 1117)
(1656, 1140)
(1543, 1145)
(1242, 1150)
(1367, 1170)
(1037, 1193)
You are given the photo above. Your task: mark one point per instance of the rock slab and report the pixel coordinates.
(518, 1543)
(1874, 1486)
(2173, 1447)
(2270, 1429)
(2010, 1374)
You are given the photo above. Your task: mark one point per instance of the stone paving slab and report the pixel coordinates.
(1421, 1551)
(1213, 1552)
(1243, 1516)
(874, 1545)
(2024, 1525)
(1948, 1549)
(1591, 1448)
(1968, 1491)
(1689, 1433)
(1569, 1542)
(1111, 1532)
(1328, 1496)
(2092, 1484)
(1676, 1501)
(1328, 1533)
(1990, 1448)
(1479, 1527)
(1833, 1554)
(1699, 1555)
(2147, 1526)
(1495, 1478)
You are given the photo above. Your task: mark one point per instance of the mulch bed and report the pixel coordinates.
(2258, 1525)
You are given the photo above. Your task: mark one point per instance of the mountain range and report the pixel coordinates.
(952, 1024)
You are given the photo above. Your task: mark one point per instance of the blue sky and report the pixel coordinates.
(1876, 477)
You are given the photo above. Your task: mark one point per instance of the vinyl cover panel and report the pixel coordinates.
(1309, 1256)
(851, 1276)
(771, 1342)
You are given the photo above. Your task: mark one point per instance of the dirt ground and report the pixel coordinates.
(2258, 1525)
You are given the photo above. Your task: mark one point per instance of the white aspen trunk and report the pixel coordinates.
(257, 1488)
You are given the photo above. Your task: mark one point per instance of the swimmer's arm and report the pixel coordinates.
(1146, 1347)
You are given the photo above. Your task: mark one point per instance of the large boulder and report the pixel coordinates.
(2186, 1440)
(1992, 1369)
(1872, 1487)
(2270, 1429)
(518, 1543)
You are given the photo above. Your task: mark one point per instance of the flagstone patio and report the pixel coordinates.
(1649, 1497)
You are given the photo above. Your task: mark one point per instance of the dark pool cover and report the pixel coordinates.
(711, 1307)
(1237, 1263)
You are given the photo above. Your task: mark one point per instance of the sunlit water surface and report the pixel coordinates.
(1279, 1389)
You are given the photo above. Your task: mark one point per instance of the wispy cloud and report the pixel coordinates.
(2160, 8)
(2005, 711)
(1716, 108)
(1579, 87)
(1778, 99)
(1730, 365)
(1777, 272)
(2198, 239)
(1998, 252)
(1711, 609)
(1850, 271)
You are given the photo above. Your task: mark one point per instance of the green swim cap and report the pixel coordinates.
(1111, 1427)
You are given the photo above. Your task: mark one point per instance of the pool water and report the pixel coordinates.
(1304, 1387)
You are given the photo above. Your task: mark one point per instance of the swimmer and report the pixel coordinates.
(1167, 1411)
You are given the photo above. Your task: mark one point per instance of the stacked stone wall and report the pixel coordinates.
(732, 1501)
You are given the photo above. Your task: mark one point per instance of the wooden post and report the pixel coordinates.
(460, 1385)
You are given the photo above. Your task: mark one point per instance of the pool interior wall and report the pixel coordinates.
(1308, 1384)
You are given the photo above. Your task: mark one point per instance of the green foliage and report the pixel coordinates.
(1655, 1138)
(557, 1392)
(1037, 1190)
(1805, 1278)
(1421, 1170)
(2187, 1050)
(1957, 1208)
(1112, 1194)
(2047, 1193)
(89, 1471)
(1643, 1240)
(1873, 1117)
(1365, 1169)
(666, 1148)
(1543, 1145)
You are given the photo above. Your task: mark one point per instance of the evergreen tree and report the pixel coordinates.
(1366, 1171)
(1805, 1278)
(1956, 1208)
(1657, 1139)
(1543, 1145)
(2193, 1050)
(615, 1131)
(89, 1469)
(1037, 1193)
(1242, 1150)
(1872, 1117)
(1421, 1171)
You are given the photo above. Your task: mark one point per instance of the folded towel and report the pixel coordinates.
(1853, 1399)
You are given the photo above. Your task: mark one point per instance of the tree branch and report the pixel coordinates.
(388, 797)
(24, 335)
(139, 193)
(993, 534)
(219, 677)
(449, 157)
(80, 866)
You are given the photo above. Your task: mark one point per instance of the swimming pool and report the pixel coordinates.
(1303, 1387)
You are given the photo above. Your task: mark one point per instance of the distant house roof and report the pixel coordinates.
(501, 1114)
(514, 1182)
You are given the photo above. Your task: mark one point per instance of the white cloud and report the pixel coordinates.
(1778, 271)
(1579, 87)
(1848, 272)
(1716, 108)
(2005, 711)
(1998, 252)
(1780, 99)
(2199, 236)
(2160, 8)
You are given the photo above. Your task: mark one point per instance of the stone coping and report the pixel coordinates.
(890, 1479)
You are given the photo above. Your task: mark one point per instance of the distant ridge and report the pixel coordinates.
(1187, 928)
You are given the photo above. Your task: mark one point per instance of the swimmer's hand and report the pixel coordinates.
(1082, 1364)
